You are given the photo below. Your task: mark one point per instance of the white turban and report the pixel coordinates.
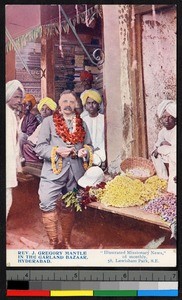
(167, 105)
(11, 88)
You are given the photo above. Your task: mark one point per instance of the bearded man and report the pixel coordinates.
(65, 145)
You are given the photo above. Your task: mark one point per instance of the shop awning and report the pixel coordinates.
(24, 22)
(20, 19)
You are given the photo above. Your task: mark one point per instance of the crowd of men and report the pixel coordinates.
(68, 143)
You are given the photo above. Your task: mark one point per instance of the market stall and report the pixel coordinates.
(134, 213)
(144, 199)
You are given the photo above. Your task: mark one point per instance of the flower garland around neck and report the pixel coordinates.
(78, 134)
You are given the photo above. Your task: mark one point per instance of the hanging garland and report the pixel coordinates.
(54, 28)
(60, 33)
(56, 170)
(24, 39)
(87, 165)
(57, 166)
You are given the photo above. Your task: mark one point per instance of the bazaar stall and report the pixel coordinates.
(136, 193)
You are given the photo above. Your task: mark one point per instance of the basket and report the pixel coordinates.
(140, 163)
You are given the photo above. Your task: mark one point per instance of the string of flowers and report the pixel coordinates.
(53, 28)
(53, 161)
(60, 33)
(78, 134)
(86, 16)
(85, 164)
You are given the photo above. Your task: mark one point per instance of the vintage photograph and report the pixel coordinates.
(91, 124)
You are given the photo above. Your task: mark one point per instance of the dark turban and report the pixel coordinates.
(85, 75)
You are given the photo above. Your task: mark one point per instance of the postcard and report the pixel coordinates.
(91, 135)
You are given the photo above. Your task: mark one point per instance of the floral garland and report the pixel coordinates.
(78, 134)
(53, 163)
(85, 164)
(75, 137)
(60, 161)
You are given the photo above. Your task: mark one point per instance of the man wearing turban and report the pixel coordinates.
(87, 79)
(91, 100)
(164, 154)
(14, 96)
(46, 107)
(29, 122)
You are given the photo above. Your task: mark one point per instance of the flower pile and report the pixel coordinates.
(164, 205)
(123, 191)
(97, 191)
(90, 194)
(138, 172)
(153, 187)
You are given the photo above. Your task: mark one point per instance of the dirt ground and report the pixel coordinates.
(92, 229)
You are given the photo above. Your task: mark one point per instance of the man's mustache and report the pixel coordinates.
(68, 108)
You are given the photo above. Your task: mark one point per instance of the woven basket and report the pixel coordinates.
(137, 162)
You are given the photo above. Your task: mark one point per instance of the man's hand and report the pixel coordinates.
(82, 152)
(30, 143)
(64, 151)
(155, 153)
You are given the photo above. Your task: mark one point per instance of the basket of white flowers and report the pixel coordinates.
(138, 168)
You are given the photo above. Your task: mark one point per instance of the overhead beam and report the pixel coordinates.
(144, 9)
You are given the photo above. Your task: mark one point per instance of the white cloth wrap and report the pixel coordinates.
(166, 154)
(11, 87)
(169, 106)
(12, 148)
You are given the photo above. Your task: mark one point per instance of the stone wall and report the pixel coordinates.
(116, 85)
(159, 65)
(159, 75)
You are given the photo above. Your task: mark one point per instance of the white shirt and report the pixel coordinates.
(96, 129)
(12, 148)
(166, 135)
